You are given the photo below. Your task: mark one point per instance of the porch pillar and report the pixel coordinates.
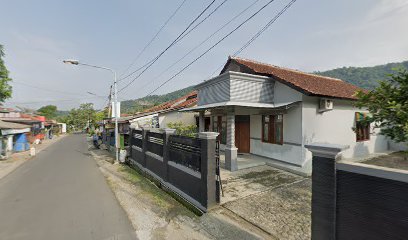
(201, 122)
(231, 152)
(9, 143)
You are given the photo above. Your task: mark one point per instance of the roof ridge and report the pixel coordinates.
(285, 68)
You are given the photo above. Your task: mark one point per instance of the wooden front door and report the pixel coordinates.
(242, 133)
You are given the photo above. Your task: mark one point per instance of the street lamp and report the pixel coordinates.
(76, 62)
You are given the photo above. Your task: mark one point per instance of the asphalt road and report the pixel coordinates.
(61, 194)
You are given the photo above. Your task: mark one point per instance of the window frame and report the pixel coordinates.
(272, 128)
(362, 130)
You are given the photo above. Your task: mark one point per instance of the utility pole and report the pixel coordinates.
(116, 118)
(76, 62)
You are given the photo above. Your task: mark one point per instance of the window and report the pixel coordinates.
(362, 128)
(272, 129)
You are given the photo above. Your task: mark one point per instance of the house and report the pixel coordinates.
(13, 137)
(265, 113)
(155, 117)
(36, 122)
(62, 127)
(161, 115)
(51, 127)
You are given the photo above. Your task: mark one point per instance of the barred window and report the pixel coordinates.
(272, 129)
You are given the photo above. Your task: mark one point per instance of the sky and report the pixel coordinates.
(311, 35)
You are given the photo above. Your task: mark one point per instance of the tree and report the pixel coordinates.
(82, 117)
(100, 115)
(183, 129)
(388, 105)
(49, 111)
(5, 88)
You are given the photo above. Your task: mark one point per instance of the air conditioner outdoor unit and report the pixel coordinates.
(325, 105)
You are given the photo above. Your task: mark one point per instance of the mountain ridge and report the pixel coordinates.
(364, 77)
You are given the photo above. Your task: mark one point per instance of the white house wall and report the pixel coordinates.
(291, 150)
(145, 121)
(186, 118)
(285, 94)
(336, 126)
(403, 146)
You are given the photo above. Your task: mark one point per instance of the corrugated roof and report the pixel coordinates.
(11, 125)
(309, 84)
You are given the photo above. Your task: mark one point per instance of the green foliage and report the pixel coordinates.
(140, 104)
(388, 104)
(5, 88)
(99, 116)
(364, 77)
(49, 111)
(183, 130)
(80, 118)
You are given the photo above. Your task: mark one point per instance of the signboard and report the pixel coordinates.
(115, 110)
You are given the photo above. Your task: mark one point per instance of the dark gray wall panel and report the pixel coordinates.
(371, 207)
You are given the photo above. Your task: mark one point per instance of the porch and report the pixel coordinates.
(252, 136)
(246, 161)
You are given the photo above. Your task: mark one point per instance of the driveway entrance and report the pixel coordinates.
(276, 201)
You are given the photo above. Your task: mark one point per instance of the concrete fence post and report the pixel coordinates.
(324, 189)
(167, 132)
(130, 143)
(144, 145)
(208, 167)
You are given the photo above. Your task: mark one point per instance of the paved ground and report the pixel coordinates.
(156, 215)
(16, 159)
(274, 200)
(398, 160)
(61, 194)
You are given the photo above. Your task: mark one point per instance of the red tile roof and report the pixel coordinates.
(179, 103)
(309, 84)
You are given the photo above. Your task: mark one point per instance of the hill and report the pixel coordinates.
(140, 104)
(365, 77)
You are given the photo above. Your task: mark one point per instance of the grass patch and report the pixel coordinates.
(132, 175)
(262, 174)
(397, 160)
(162, 197)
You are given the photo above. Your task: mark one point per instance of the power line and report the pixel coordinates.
(213, 46)
(165, 50)
(200, 44)
(198, 24)
(46, 101)
(265, 27)
(151, 62)
(259, 33)
(153, 38)
(46, 89)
